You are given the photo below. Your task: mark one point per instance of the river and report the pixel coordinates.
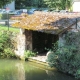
(11, 69)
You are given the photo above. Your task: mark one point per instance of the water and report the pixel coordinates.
(20, 70)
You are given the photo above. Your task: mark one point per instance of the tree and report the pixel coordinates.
(52, 3)
(67, 4)
(40, 3)
(29, 3)
(58, 4)
(20, 3)
(4, 2)
(66, 57)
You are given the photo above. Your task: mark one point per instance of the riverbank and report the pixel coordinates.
(40, 60)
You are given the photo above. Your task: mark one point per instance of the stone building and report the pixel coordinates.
(41, 29)
(10, 6)
(76, 5)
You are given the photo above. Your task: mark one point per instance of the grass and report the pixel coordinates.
(6, 28)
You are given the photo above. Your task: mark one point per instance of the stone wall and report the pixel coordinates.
(20, 48)
(61, 41)
(28, 35)
(24, 42)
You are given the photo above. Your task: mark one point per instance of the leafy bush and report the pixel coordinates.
(5, 16)
(0, 16)
(66, 58)
(29, 53)
(6, 44)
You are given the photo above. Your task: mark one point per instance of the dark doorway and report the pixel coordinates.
(43, 41)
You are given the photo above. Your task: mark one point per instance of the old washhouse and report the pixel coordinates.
(41, 29)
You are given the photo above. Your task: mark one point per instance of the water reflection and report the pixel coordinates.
(55, 75)
(19, 70)
(12, 70)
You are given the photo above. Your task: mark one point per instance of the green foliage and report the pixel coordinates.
(8, 53)
(11, 29)
(3, 3)
(66, 58)
(6, 44)
(29, 53)
(5, 16)
(58, 4)
(0, 16)
(55, 4)
(21, 4)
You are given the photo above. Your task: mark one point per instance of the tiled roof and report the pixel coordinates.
(48, 22)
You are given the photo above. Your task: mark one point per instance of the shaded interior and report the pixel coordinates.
(42, 42)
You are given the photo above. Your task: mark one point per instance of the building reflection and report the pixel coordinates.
(20, 71)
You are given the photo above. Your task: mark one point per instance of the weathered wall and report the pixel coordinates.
(61, 41)
(28, 35)
(76, 27)
(20, 48)
(24, 42)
